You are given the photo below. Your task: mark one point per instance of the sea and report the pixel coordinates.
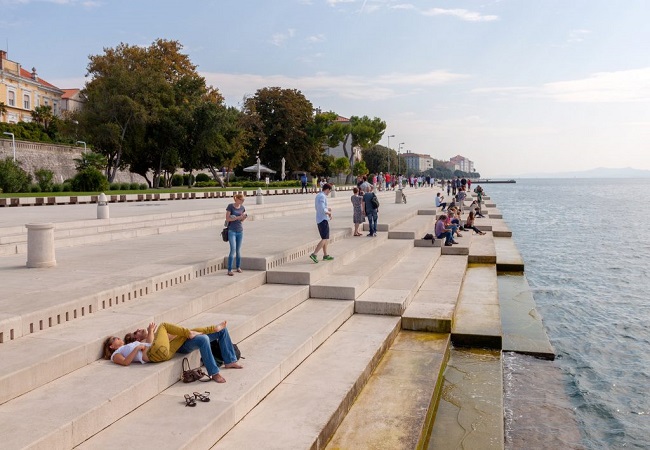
(586, 247)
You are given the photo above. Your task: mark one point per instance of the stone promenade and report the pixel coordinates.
(315, 336)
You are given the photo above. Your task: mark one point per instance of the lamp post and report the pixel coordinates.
(389, 136)
(13, 142)
(82, 142)
(399, 152)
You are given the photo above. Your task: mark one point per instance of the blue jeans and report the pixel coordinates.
(372, 222)
(447, 235)
(235, 239)
(202, 342)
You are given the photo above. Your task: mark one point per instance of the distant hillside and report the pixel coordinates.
(600, 172)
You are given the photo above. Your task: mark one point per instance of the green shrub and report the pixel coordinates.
(206, 183)
(161, 181)
(57, 187)
(134, 186)
(177, 180)
(144, 186)
(188, 180)
(66, 186)
(114, 187)
(34, 188)
(44, 178)
(89, 180)
(200, 177)
(125, 186)
(272, 184)
(12, 177)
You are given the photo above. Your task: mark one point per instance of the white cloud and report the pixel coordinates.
(463, 14)
(316, 38)
(577, 36)
(382, 87)
(623, 86)
(279, 39)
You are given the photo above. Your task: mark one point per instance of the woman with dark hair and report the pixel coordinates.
(469, 224)
(357, 212)
(235, 215)
(168, 339)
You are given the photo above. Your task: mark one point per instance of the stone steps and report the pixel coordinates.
(508, 257)
(470, 410)
(78, 405)
(349, 281)
(477, 320)
(272, 354)
(414, 228)
(432, 308)
(482, 248)
(305, 271)
(396, 407)
(393, 292)
(38, 359)
(305, 409)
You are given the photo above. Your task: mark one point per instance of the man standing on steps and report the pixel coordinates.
(323, 217)
(303, 183)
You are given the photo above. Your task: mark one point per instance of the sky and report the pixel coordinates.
(520, 87)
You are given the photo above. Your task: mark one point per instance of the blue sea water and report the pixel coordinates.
(586, 246)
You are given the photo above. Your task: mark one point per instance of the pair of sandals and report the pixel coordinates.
(190, 400)
(230, 274)
(358, 234)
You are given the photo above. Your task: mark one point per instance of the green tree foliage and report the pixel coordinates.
(89, 180)
(140, 102)
(90, 159)
(377, 159)
(360, 169)
(44, 178)
(3, 109)
(359, 132)
(44, 116)
(12, 177)
(281, 124)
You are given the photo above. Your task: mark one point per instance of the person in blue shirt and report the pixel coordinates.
(303, 182)
(323, 216)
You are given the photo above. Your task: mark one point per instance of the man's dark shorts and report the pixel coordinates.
(324, 229)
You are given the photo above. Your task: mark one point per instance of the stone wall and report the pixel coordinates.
(57, 158)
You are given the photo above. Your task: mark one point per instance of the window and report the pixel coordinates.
(55, 108)
(26, 101)
(11, 98)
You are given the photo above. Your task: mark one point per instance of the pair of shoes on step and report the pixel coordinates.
(190, 400)
(230, 274)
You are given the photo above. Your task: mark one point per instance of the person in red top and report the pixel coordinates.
(388, 179)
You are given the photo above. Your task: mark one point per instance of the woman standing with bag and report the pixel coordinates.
(235, 215)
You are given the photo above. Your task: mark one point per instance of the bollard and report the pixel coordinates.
(333, 193)
(398, 196)
(102, 207)
(40, 245)
(260, 198)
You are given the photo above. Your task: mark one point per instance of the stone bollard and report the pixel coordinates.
(398, 196)
(40, 245)
(260, 198)
(333, 193)
(102, 207)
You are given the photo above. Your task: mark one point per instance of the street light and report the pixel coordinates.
(389, 136)
(82, 142)
(13, 142)
(399, 151)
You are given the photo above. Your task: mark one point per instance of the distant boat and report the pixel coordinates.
(488, 181)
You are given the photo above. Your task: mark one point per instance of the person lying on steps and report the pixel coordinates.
(145, 346)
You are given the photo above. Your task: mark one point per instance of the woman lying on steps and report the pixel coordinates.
(145, 346)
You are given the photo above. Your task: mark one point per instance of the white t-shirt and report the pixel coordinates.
(126, 350)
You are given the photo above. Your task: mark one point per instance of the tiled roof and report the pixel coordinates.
(27, 74)
(69, 93)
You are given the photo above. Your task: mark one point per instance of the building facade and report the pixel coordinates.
(416, 162)
(22, 91)
(461, 163)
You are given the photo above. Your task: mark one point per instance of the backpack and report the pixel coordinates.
(216, 352)
(429, 236)
(375, 201)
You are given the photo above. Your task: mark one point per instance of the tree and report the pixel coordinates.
(359, 169)
(12, 177)
(377, 159)
(139, 102)
(360, 132)
(44, 116)
(3, 109)
(281, 124)
(341, 165)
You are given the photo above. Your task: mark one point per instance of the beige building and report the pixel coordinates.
(461, 163)
(72, 100)
(417, 163)
(22, 91)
